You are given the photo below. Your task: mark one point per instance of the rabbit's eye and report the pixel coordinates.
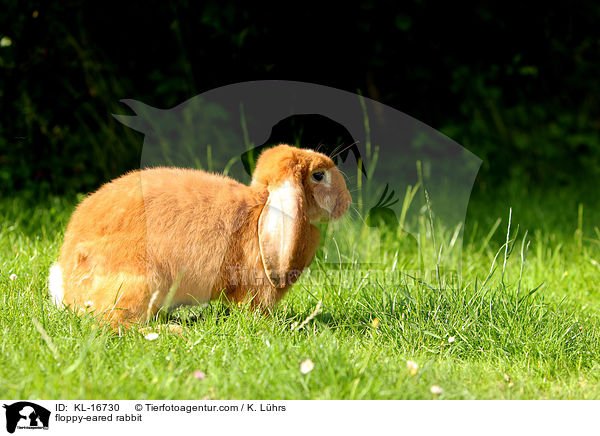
(318, 176)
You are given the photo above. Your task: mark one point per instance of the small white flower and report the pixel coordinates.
(307, 366)
(451, 339)
(5, 41)
(412, 366)
(89, 303)
(151, 336)
(13, 277)
(268, 343)
(436, 390)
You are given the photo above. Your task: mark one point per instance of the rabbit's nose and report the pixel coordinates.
(342, 205)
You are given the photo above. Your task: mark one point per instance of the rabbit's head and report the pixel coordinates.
(303, 187)
(313, 173)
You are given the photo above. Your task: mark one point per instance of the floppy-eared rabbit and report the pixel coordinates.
(198, 234)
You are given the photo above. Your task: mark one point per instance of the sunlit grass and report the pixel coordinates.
(520, 321)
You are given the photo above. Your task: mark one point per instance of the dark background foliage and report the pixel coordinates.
(517, 84)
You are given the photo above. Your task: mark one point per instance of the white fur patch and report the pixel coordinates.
(328, 204)
(284, 208)
(327, 179)
(284, 199)
(278, 229)
(55, 284)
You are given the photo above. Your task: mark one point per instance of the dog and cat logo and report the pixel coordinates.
(26, 415)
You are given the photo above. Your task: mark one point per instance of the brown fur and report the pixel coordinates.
(129, 242)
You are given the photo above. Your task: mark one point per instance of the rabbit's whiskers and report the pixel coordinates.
(336, 148)
(343, 150)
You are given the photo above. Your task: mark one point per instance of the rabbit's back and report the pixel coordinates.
(207, 232)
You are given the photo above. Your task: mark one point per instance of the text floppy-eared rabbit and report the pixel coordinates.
(199, 234)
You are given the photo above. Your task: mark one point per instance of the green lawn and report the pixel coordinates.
(522, 326)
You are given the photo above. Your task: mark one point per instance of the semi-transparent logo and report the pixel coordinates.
(410, 184)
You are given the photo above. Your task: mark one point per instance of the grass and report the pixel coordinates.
(521, 322)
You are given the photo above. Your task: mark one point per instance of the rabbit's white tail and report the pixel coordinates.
(55, 284)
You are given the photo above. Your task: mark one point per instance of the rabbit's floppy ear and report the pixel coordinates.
(283, 232)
